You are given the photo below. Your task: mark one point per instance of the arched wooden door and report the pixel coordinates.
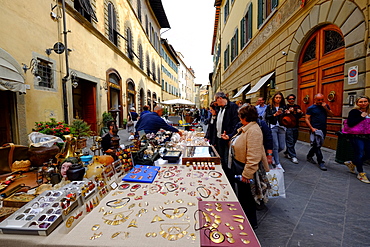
(321, 70)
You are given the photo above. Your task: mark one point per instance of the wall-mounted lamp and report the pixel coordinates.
(32, 66)
(74, 79)
(284, 53)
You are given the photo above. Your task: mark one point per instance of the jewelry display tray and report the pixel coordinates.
(200, 154)
(226, 217)
(48, 204)
(142, 171)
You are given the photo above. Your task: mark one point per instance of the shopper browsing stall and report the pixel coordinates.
(248, 159)
(152, 122)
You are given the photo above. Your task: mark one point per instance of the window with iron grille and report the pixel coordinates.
(45, 72)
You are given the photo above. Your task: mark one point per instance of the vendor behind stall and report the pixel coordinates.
(152, 122)
(106, 139)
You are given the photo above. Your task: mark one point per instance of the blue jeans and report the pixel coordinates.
(291, 138)
(361, 151)
(278, 139)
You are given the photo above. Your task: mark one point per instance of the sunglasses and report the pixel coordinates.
(291, 99)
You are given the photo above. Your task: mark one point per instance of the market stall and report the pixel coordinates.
(186, 203)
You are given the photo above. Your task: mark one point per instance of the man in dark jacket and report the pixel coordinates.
(227, 119)
(152, 122)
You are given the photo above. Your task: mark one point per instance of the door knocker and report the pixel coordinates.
(306, 99)
(331, 96)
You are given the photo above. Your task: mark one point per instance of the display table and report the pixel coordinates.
(161, 213)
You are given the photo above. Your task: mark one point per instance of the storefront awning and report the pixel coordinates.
(10, 78)
(260, 83)
(241, 90)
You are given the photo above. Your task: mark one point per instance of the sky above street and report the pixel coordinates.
(191, 33)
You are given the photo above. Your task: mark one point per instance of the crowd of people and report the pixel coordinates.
(249, 138)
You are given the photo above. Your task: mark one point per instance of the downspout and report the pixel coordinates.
(65, 78)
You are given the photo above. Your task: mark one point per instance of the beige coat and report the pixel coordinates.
(248, 149)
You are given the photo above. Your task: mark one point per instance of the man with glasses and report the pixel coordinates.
(291, 134)
(261, 108)
(227, 118)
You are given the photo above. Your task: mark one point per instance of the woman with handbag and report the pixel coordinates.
(357, 120)
(248, 163)
(274, 114)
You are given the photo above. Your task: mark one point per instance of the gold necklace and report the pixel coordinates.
(175, 212)
(174, 231)
(118, 218)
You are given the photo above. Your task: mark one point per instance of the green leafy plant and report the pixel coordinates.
(80, 128)
(124, 121)
(107, 116)
(53, 127)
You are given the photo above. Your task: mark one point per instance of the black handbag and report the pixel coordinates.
(237, 167)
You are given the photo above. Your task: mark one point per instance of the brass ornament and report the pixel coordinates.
(175, 231)
(96, 235)
(245, 241)
(69, 222)
(133, 223)
(95, 227)
(216, 236)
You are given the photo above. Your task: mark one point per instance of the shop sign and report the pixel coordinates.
(114, 86)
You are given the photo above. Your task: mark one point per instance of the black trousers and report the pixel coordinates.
(222, 147)
(245, 197)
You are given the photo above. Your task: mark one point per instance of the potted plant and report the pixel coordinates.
(80, 129)
(107, 117)
(124, 123)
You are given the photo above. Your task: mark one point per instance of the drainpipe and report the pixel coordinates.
(65, 78)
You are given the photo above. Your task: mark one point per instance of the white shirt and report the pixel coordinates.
(220, 118)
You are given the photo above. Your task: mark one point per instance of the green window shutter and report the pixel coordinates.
(274, 4)
(260, 12)
(242, 32)
(250, 18)
(236, 42)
